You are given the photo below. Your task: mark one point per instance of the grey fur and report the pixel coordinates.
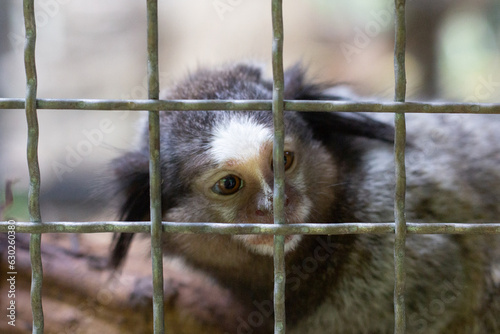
(340, 284)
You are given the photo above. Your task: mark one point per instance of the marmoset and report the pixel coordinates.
(339, 167)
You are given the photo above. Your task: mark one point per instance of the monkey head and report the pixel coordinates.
(217, 165)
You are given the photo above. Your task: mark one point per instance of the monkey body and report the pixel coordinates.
(217, 167)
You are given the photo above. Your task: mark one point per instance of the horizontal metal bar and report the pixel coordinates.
(154, 105)
(248, 228)
(193, 105)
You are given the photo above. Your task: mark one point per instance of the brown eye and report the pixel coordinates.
(228, 185)
(288, 160)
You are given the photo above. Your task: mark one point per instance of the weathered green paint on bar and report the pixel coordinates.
(278, 163)
(155, 169)
(400, 225)
(399, 156)
(36, 283)
(249, 228)
(307, 106)
(33, 167)
(79, 227)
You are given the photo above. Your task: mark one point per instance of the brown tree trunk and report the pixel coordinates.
(79, 298)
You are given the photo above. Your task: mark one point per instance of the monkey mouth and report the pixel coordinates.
(266, 239)
(264, 244)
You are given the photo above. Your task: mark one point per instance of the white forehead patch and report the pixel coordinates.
(240, 139)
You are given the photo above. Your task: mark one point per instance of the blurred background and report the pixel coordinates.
(97, 49)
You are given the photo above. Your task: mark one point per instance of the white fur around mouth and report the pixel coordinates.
(264, 244)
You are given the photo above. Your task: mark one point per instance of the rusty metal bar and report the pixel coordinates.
(33, 167)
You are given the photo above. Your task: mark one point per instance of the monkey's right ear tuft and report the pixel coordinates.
(131, 172)
(131, 175)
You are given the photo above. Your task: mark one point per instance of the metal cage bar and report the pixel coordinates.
(279, 169)
(289, 105)
(400, 170)
(223, 228)
(155, 169)
(33, 166)
(400, 227)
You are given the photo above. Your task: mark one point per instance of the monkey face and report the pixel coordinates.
(217, 166)
(238, 185)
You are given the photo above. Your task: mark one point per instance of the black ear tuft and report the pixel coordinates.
(132, 177)
(132, 182)
(327, 124)
(296, 87)
(119, 249)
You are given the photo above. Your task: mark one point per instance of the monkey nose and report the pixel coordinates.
(287, 201)
(267, 208)
(260, 213)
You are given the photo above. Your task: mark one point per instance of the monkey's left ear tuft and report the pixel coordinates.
(327, 124)
(296, 87)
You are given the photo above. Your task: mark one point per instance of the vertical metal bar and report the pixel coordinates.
(279, 170)
(399, 156)
(33, 167)
(154, 168)
(399, 50)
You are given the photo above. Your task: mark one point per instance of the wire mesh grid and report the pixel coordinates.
(277, 105)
